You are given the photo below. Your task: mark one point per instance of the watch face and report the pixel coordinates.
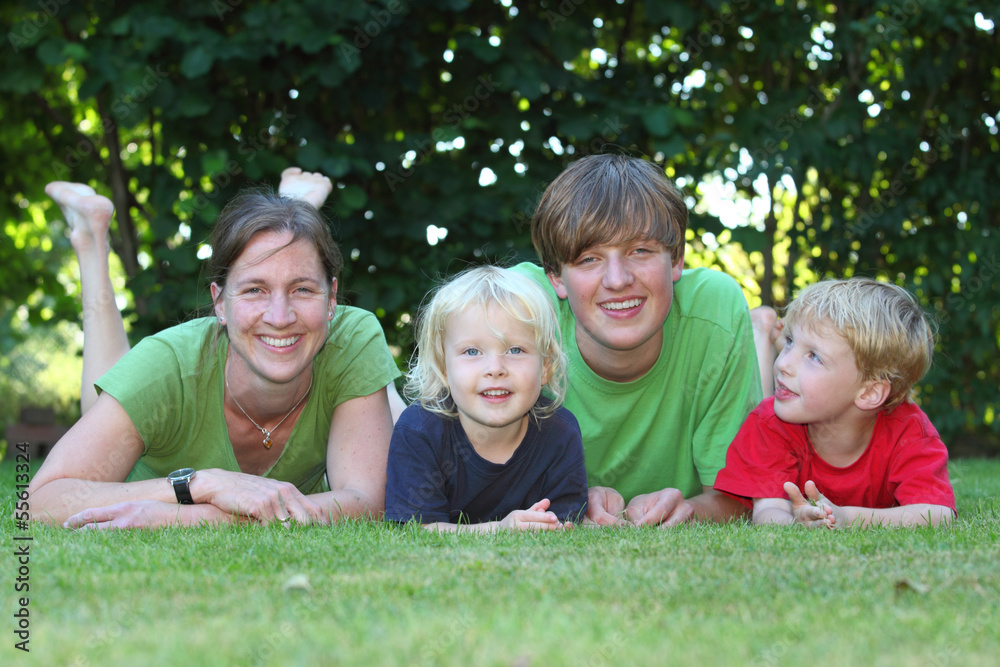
(181, 474)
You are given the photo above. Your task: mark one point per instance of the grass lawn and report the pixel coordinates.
(370, 594)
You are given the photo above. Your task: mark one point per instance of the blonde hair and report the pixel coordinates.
(607, 199)
(482, 286)
(891, 337)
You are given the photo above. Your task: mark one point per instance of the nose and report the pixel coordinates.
(617, 275)
(496, 365)
(783, 364)
(279, 312)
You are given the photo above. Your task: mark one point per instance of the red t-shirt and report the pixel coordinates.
(905, 463)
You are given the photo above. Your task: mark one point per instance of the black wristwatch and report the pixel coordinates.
(179, 479)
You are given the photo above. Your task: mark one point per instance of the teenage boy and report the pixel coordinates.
(662, 366)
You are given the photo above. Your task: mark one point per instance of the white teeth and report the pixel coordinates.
(622, 305)
(495, 392)
(280, 342)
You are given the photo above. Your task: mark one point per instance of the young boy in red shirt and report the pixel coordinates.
(840, 444)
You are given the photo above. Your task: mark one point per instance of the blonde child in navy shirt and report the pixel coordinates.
(481, 446)
(840, 444)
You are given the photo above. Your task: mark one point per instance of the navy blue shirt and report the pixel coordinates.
(435, 474)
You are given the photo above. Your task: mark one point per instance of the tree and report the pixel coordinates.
(865, 135)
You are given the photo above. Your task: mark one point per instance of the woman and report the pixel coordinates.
(279, 387)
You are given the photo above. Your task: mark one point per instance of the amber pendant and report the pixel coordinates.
(267, 442)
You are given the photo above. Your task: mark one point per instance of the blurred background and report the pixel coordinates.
(812, 139)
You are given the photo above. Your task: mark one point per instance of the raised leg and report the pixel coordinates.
(767, 331)
(104, 341)
(308, 186)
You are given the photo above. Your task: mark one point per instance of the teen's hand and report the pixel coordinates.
(666, 507)
(605, 507)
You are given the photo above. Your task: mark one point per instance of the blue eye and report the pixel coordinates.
(472, 352)
(515, 350)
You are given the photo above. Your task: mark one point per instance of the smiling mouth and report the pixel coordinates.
(280, 342)
(783, 392)
(621, 305)
(495, 393)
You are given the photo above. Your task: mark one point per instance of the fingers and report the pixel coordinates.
(812, 492)
(88, 517)
(540, 506)
(263, 500)
(287, 504)
(605, 506)
(657, 508)
(805, 509)
(794, 495)
(682, 514)
(530, 520)
(132, 514)
(597, 515)
(601, 518)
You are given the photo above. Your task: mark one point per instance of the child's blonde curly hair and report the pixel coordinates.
(482, 286)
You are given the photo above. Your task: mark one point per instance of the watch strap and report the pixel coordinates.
(182, 491)
(181, 486)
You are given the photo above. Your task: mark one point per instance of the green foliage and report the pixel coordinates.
(866, 134)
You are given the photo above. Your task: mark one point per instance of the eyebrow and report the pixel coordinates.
(264, 281)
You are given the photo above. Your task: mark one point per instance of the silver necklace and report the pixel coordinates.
(267, 434)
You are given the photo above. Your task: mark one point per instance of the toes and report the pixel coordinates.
(64, 191)
(763, 318)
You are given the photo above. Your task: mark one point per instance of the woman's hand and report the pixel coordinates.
(144, 514)
(259, 498)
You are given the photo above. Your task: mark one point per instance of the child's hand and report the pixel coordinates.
(812, 510)
(536, 517)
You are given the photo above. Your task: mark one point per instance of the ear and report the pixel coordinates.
(873, 395)
(217, 303)
(558, 285)
(678, 267)
(333, 298)
(547, 371)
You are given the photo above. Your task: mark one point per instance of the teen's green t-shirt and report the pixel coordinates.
(172, 387)
(671, 428)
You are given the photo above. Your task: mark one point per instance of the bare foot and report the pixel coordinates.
(87, 213)
(767, 326)
(310, 187)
